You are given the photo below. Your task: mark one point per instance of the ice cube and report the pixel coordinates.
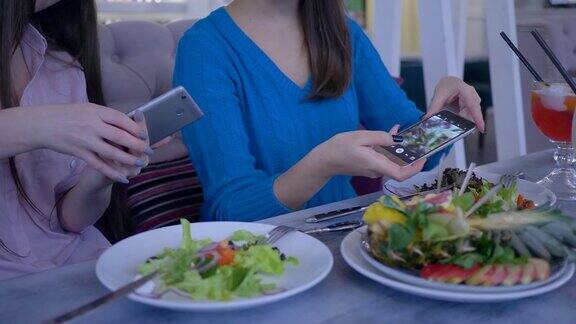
(553, 96)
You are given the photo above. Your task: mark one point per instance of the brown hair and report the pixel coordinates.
(327, 39)
(69, 25)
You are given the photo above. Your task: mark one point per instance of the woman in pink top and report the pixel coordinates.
(59, 153)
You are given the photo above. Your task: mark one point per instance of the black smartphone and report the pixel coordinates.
(428, 137)
(169, 113)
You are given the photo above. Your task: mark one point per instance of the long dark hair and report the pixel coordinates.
(329, 48)
(70, 26)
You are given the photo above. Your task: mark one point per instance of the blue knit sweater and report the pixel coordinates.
(258, 123)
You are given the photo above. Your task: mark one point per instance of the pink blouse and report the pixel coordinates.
(32, 241)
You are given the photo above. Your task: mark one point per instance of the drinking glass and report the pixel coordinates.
(552, 111)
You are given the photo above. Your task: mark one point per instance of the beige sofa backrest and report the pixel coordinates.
(137, 60)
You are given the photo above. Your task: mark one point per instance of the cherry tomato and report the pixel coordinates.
(226, 254)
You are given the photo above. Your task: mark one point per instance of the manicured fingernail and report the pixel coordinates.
(139, 163)
(148, 151)
(143, 135)
(138, 116)
(397, 138)
(123, 179)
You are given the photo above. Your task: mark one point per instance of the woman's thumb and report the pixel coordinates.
(371, 138)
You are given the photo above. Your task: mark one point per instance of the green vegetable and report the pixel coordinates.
(261, 258)
(434, 231)
(508, 195)
(388, 201)
(466, 260)
(191, 246)
(179, 268)
(245, 236)
(505, 255)
(464, 201)
(490, 208)
(399, 237)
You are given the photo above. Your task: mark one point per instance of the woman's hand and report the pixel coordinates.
(94, 188)
(93, 133)
(454, 93)
(352, 154)
(96, 180)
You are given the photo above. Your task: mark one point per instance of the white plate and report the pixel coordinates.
(118, 265)
(351, 249)
(412, 278)
(533, 191)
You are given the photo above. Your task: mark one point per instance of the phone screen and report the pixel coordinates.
(429, 135)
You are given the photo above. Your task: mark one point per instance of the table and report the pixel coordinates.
(343, 297)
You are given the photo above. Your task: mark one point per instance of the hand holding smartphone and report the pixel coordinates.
(169, 113)
(428, 137)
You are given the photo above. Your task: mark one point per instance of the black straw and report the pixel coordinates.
(554, 59)
(521, 57)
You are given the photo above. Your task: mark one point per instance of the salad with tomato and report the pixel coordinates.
(442, 237)
(235, 267)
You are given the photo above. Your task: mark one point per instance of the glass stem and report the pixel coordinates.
(564, 156)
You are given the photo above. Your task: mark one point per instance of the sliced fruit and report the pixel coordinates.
(513, 275)
(496, 276)
(528, 273)
(454, 274)
(378, 212)
(448, 273)
(428, 270)
(479, 276)
(541, 268)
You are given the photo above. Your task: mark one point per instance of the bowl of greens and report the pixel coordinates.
(215, 266)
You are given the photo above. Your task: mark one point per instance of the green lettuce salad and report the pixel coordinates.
(219, 271)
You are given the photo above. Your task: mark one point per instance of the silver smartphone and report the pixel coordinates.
(169, 113)
(428, 137)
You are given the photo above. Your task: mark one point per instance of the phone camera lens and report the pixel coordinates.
(182, 97)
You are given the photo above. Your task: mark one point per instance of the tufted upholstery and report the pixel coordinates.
(137, 60)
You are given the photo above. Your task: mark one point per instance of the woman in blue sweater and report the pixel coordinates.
(284, 85)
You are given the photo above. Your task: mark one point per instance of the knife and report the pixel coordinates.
(353, 210)
(343, 226)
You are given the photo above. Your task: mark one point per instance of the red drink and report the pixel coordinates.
(552, 110)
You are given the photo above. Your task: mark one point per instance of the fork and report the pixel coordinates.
(506, 181)
(277, 233)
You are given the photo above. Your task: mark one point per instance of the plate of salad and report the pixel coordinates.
(530, 193)
(352, 253)
(215, 266)
(437, 240)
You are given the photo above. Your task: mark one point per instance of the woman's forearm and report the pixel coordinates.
(302, 181)
(84, 204)
(16, 135)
